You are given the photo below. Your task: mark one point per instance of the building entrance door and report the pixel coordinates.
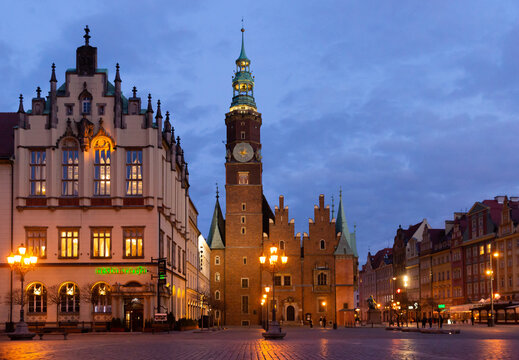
(291, 314)
(134, 314)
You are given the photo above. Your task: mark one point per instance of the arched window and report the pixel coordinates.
(69, 298)
(70, 168)
(217, 260)
(217, 295)
(217, 277)
(217, 314)
(102, 298)
(37, 298)
(281, 245)
(102, 160)
(322, 245)
(321, 279)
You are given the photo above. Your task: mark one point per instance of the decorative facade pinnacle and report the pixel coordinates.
(117, 75)
(86, 36)
(20, 107)
(53, 75)
(38, 92)
(149, 104)
(159, 113)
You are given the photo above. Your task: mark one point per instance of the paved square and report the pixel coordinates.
(501, 342)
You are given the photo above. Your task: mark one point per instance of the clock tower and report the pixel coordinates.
(244, 218)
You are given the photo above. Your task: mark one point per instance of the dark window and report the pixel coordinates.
(287, 280)
(277, 280)
(69, 298)
(37, 298)
(37, 241)
(70, 169)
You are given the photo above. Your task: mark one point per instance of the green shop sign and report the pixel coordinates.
(441, 306)
(139, 270)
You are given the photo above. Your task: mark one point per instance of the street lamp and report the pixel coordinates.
(273, 263)
(22, 263)
(490, 273)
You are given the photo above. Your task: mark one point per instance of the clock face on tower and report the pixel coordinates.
(243, 152)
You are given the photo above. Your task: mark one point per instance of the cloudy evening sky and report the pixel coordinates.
(412, 107)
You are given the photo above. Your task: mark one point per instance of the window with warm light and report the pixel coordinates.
(134, 172)
(102, 298)
(68, 243)
(133, 242)
(101, 242)
(102, 160)
(38, 175)
(70, 168)
(69, 298)
(36, 241)
(37, 298)
(217, 277)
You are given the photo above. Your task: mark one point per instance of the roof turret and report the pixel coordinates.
(341, 226)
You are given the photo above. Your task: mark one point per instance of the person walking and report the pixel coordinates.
(321, 321)
(440, 321)
(430, 321)
(324, 321)
(424, 321)
(472, 319)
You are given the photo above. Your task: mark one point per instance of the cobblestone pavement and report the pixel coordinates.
(300, 343)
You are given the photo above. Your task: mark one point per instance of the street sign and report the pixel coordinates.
(162, 271)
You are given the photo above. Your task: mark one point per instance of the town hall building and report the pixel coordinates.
(320, 277)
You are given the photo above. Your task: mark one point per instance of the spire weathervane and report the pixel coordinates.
(86, 36)
(217, 192)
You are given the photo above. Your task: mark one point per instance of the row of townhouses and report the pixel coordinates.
(455, 271)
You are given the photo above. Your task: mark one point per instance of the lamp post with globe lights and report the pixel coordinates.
(490, 272)
(22, 262)
(273, 263)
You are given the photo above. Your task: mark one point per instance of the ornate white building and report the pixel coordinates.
(99, 187)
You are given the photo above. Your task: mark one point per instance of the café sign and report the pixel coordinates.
(111, 270)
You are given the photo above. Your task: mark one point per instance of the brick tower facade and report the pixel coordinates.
(320, 276)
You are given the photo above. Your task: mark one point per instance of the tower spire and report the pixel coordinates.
(243, 81)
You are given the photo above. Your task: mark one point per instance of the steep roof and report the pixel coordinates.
(216, 236)
(341, 226)
(8, 121)
(267, 214)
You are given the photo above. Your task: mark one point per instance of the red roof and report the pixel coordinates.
(7, 123)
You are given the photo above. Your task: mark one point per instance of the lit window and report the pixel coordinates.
(69, 243)
(133, 242)
(101, 243)
(37, 298)
(69, 298)
(101, 298)
(134, 172)
(70, 169)
(38, 172)
(217, 277)
(102, 159)
(37, 241)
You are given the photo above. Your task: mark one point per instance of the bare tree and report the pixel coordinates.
(53, 297)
